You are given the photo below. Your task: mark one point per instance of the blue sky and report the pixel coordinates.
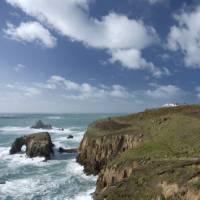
(92, 56)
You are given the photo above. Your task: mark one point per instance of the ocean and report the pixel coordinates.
(61, 178)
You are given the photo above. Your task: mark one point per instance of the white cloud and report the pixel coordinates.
(69, 85)
(71, 19)
(155, 1)
(164, 92)
(113, 32)
(198, 91)
(30, 32)
(23, 90)
(19, 67)
(58, 94)
(62, 87)
(83, 91)
(132, 59)
(87, 91)
(186, 36)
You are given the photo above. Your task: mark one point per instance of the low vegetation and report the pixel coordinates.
(168, 156)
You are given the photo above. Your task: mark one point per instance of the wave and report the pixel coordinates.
(64, 177)
(7, 116)
(31, 188)
(20, 159)
(12, 129)
(20, 130)
(74, 169)
(85, 195)
(19, 187)
(54, 117)
(43, 179)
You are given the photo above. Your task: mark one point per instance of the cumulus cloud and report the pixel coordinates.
(30, 32)
(132, 59)
(186, 36)
(82, 91)
(69, 17)
(113, 32)
(19, 67)
(62, 87)
(165, 92)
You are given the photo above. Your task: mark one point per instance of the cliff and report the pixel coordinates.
(150, 155)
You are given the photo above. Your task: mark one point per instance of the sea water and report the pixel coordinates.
(23, 178)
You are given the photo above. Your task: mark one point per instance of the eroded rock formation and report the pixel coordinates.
(40, 125)
(95, 152)
(37, 144)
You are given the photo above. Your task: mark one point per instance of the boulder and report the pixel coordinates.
(37, 144)
(40, 125)
(70, 137)
(62, 150)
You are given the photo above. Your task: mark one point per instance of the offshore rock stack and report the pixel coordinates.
(37, 144)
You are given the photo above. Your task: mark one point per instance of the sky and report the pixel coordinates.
(89, 56)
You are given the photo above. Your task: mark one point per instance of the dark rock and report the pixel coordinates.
(40, 125)
(37, 144)
(17, 145)
(2, 182)
(70, 137)
(62, 150)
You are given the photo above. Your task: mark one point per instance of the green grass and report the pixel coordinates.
(171, 143)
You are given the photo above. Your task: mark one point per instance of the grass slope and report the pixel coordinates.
(170, 150)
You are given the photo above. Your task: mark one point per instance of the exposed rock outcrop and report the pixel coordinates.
(40, 125)
(37, 144)
(95, 152)
(63, 150)
(114, 174)
(70, 137)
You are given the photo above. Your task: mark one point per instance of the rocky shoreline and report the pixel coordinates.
(145, 156)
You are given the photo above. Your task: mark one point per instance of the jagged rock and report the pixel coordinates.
(70, 137)
(40, 125)
(62, 150)
(93, 154)
(37, 144)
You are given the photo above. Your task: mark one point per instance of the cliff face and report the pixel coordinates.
(149, 155)
(94, 153)
(113, 174)
(177, 180)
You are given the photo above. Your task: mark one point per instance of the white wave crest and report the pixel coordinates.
(54, 117)
(20, 159)
(85, 195)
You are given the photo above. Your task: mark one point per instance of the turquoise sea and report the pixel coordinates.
(32, 179)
